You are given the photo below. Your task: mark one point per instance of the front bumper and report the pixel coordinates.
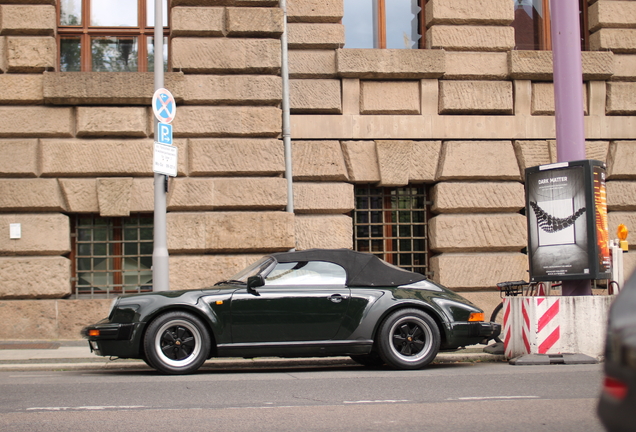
(112, 339)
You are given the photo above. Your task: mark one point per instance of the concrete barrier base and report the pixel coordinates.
(555, 325)
(549, 359)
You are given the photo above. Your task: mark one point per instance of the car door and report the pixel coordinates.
(300, 301)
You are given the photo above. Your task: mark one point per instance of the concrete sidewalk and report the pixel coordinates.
(76, 355)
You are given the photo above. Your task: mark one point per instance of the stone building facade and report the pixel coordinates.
(461, 118)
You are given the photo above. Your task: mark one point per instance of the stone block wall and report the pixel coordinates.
(314, 32)
(464, 117)
(33, 265)
(464, 25)
(612, 26)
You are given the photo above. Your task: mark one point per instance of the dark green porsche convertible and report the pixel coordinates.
(295, 304)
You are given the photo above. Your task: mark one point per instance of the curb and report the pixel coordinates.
(100, 364)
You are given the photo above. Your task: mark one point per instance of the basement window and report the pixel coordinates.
(392, 223)
(111, 255)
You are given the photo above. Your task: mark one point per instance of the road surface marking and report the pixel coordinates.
(85, 408)
(493, 397)
(375, 401)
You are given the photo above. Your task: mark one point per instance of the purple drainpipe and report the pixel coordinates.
(568, 98)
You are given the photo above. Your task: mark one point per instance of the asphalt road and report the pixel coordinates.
(445, 397)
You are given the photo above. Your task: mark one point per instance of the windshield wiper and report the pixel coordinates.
(230, 281)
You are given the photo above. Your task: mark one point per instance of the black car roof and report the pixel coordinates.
(363, 269)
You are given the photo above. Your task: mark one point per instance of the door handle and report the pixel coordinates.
(337, 298)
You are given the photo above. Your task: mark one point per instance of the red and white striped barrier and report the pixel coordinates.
(526, 330)
(548, 328)
(507, 327)
(540, 329)
(555, 325)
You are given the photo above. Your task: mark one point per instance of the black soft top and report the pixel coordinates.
(363, 269)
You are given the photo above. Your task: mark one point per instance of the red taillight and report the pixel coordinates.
(93, 332)
(615, 388)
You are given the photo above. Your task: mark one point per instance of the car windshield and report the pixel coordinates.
(258, 267)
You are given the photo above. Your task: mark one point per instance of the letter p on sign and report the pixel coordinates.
(165, 133)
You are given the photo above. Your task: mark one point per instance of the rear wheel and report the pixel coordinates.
(408, 339)
(497, 317)
(176, 343)
(145, 359)
(372, 359)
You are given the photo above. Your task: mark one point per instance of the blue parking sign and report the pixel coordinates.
(165, 133)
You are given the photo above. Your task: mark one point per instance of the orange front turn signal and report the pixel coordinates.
(93, 332)
(476, 316)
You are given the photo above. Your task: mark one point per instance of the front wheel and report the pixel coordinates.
(176, 343)
(408, 339)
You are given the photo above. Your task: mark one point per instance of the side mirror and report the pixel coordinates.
(254, 282)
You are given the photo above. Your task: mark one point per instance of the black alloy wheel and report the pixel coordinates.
(176, 343)
(408, 339)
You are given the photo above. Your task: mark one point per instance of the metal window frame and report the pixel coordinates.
(391, 250)
(85, 32)
(114, 257)
(379, 24)
(544, 27)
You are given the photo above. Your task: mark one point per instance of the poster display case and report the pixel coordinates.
(566, 209)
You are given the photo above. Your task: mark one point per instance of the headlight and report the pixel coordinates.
(112, 307)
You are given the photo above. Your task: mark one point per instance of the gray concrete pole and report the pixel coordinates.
(568, 97)
(160, 258)
(568, 80)
(284, 72)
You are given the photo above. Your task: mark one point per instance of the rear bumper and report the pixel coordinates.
(617, 413)
(471, 333)
(488, 330)
(617, 416)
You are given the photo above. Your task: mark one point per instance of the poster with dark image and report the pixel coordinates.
(565, 223)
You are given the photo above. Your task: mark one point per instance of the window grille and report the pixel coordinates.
(112, 256)
(392, 224)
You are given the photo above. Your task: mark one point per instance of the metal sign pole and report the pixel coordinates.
(160, 259)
